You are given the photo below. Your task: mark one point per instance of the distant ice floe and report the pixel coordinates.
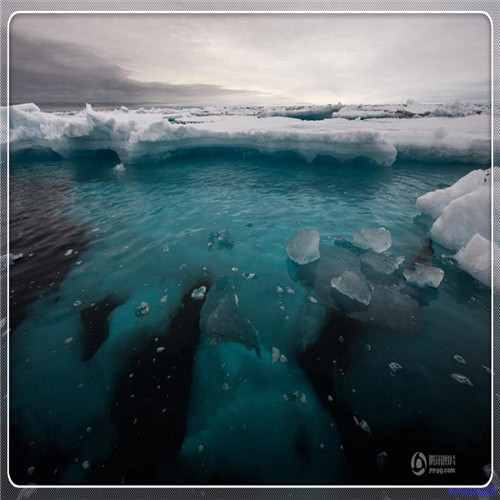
(455, 133)
(462, 214)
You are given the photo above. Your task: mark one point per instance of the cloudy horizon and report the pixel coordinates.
(249, 59)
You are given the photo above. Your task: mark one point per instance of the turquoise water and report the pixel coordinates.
(147, 239)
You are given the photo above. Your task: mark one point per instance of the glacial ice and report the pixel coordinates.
(354, 286)
(377, 239)
(423, 275)
(303, 247)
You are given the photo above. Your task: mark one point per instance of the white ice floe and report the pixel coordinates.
(475, 259)
(462, 138)
(303, 246)
(463, 221)
(423, 275)
(354, 286)
(377, 239)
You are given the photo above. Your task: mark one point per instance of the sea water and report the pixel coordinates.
(149, 233)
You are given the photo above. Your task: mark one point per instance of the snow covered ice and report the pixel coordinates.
(377, 239)
(303, 246)
(462, 214)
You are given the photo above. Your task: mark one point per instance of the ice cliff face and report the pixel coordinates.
(131, 133)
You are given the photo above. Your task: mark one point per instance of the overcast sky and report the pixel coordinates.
(252, 59)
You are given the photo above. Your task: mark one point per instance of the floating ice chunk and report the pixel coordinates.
(119, 168)
(201, 448)
(475, 258)
(394, 367)
(459, 359)
(313, 300)
(354, 286)
(423, 275)
(283, 359)
(434, 202)
(275, 354)
(249, 276)
(381, 263)
(68, 340)
(279, 290)
(377, 239)
(164, 299)
(199, 293)
(142, 309)
(303, 247)
(160, 349)
(77, 303)
(461, 379)
(85, 464)
(290, 290)
(222, 239)
(362, 424)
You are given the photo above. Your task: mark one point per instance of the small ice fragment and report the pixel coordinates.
(461, 379)
(354, 286)
(283, 359)
(290, 290)
(236, 300)
(488, 370)
(234, 269)
(225, 386)
(330, 398)
(249, 276)
(303, 247)
(68, 340)
(424, 275)
(459, 359)
(78, 262)
(85, 464)
(77, 303)
(382, 459)
(120, 167)
(381, 263)
(394, 367)
(275, 354)
(164, 299)
(142, 309)
(362, 424)
(201, 448)
(368, 347)
(313, 300)
(377, 239)
(199, 293)
(68, 252)
(160, 349)
(279, 290)
(322, 445)
(89, 429)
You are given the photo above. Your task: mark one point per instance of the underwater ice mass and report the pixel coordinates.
(249, 295)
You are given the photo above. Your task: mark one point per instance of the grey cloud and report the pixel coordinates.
(51, 72)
